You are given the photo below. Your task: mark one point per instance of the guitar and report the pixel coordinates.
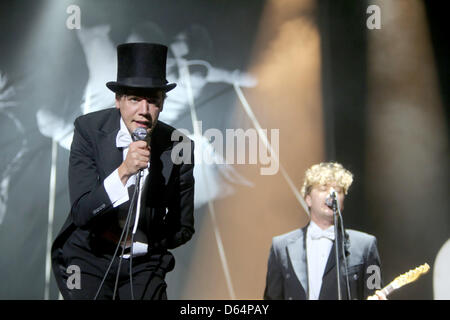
(400, 281)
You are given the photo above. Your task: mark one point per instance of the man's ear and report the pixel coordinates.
(117, 101)
(308, 200)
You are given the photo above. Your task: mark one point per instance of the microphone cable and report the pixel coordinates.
(137, 191)
(125, 227)
(138, 134)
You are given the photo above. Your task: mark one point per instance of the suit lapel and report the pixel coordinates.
(297, 254)
(328, 290)
(167, 165)
(331, 262)
(161, 152)
(157, 180)
(110, 156)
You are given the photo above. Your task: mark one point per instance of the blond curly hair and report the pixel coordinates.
(325, 173)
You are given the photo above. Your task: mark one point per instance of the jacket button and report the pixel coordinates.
(99, 209)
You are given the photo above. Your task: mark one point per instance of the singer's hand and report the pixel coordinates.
(138, 157)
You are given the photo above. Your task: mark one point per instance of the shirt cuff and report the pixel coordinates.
(115, 189)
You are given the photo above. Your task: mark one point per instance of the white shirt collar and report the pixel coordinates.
(123, 138)
(313, 225)
(313, 228)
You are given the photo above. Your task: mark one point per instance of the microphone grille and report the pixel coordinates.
(139, 134)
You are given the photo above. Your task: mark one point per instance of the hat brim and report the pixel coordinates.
(118, 87)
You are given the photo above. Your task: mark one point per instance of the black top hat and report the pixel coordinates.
(141, 66)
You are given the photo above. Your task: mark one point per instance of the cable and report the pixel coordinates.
(137, 190)
(131, 267)
(130, 210)
(127, 226)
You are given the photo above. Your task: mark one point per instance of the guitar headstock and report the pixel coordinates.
(410, 276)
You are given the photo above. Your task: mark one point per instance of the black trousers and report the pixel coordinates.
(148, 274)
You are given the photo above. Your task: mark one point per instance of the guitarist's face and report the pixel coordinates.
(320, 212)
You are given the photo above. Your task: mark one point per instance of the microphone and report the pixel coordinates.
(331, 198)
(139, 134)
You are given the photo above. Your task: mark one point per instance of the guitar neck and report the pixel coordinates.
(388, 289)
(405, 278)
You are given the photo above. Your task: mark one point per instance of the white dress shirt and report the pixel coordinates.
(318, 247)
(118, 193)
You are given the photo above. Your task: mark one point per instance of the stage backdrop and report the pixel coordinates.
(302, 81)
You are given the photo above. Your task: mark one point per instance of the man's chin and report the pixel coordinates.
(329, 216)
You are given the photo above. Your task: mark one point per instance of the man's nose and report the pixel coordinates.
(144, 106)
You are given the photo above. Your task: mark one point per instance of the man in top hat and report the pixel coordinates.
(302, 263)
(88, 260)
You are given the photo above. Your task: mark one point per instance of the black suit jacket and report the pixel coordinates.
(287, 273)
(168, 194)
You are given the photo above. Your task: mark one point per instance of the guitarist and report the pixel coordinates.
(302, 264)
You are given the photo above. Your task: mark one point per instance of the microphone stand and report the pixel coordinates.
(336, 215)
(343, 246)
(336, 244)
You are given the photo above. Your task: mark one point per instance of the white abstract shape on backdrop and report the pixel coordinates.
(4, 187)
(101, 59)
(6, 93)
(55, 127)
(6, 101)
(214, 178)
(176, 102)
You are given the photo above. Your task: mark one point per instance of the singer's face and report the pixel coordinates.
(316, 201)
(140, 111)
